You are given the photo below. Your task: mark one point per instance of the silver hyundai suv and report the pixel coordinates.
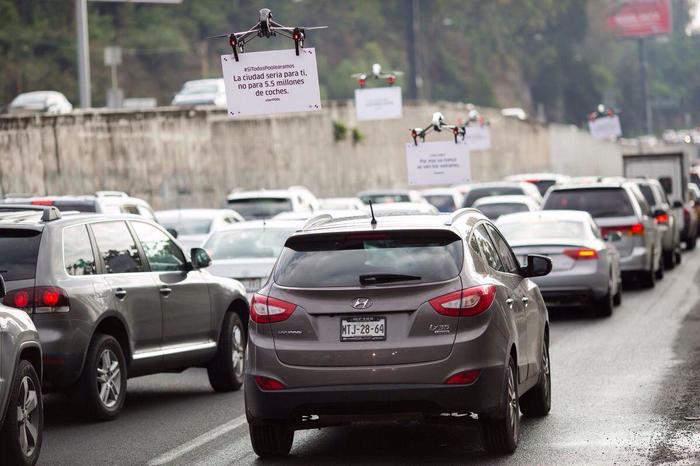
(113, 296)
(424, 317)
(21, 407)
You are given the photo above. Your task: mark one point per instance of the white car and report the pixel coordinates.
(341, 203)
(444, 199)
(305, 215)
(253, 205)
(50, 102)
(543, 181)
(381, 196)
(247, 251)
(402, 208)
(192, 226)
(474, 191)
(202, 92)
(495, 206)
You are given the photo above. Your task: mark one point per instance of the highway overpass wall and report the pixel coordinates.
(194, 157)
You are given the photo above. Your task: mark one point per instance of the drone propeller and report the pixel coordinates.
(303, 28)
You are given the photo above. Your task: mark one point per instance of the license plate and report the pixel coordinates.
(369, 328)
(251, 284)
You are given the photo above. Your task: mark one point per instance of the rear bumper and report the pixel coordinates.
(341, 404)
(557, 297)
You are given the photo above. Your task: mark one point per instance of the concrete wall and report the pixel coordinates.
(194, 157)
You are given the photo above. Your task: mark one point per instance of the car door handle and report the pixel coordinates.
(510, 302)
(120, 293)
(165, 291)
(526, 300)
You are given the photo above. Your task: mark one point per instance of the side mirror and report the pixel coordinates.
(3, 292)
(172, 231)
(200, 258)
(537, 266)
(677, 204)
(613, 237)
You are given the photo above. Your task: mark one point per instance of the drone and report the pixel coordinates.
(266, 27)
(437, 124)
(377, 73)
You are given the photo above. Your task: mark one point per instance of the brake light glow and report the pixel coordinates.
(466, 302)
(267, 383)
(662, 218)
(264, 309)
(39, 299)
(636, 229)
(463, 378)
(42, 202)
(581, 253)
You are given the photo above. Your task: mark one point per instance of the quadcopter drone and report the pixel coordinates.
(437, 124)
(377, 73)
(266, 27)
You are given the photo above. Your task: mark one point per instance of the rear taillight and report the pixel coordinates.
(267, 383)
(636, 229)
(265, 309)
(39, 299)
(661, 218)
(466, 302)
(463, 378)
(42, 202)
(581, 253)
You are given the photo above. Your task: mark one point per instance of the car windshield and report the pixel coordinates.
(541, 230)
(187, 225)
(260, 207)
(384, 198)
(478, 193)
(18, 253)
(599, 202)
(327, 260)
(443, 202)
(543, 185)
(648, 194)
(493, 211)
(247, 243)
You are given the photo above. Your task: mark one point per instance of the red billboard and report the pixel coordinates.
(641, 18)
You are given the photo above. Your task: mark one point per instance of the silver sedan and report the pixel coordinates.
(585, 266)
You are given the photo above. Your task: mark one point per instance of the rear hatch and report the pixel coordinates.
(19, 251)
(361, 299)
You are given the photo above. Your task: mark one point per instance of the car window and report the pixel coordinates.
(648, 194)
(599, 202)
(542, 229)
(493, 211)
(117, 247)
(477, 193)
(162, 253)
(474, 247)
(504, 252)
(261, 207)
(78, 257)
(661, 194)
(19, 249)
(643, 204)
(247, 243)
(488, 250)
(443, 202)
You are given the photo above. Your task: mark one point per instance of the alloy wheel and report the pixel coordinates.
(109, 378)
(28, 418)
(513, 408)
(237, 350)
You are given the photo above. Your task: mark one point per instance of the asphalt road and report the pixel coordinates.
(626, 389)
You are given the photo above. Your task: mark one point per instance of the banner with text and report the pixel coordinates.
(477, 137)
(379, 103)
(271, 82)
(605, 127)
(440, 162)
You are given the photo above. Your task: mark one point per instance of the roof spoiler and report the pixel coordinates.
(49, 212)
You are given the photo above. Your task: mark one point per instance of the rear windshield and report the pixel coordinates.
(493, 211)
(18, 253)
(648, 194)
(443, 202)
(261, 207)
(188, 225)
(390, 257)
(247, 243)
(599, 202)
(384, 198)
(478, 193)
(541, 230)
(543, 185)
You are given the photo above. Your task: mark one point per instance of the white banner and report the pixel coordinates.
(477, 137)
(605, 127)
(378, 103)
(271, 82)
(440, 162)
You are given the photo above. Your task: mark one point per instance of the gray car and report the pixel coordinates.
(21, 407)
(585, 268)
(422, 317)
(113, 296)
(621, 207)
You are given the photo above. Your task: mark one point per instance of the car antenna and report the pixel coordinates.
(371, 209)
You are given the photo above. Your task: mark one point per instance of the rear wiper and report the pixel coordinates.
(375, 278)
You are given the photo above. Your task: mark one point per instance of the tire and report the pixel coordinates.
(226, 369)
(679, 256)
(604, 306)
(648, 277)
(669, 259)
(617, 299)
(501, 431)
(25, 395)
(659, 275)
(692, 243)
(271, 441)
(102, 386)
(537, 401)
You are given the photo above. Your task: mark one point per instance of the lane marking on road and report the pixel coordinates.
(197, 442)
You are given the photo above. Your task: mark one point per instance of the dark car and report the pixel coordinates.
(415, 317)
(113, 296)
